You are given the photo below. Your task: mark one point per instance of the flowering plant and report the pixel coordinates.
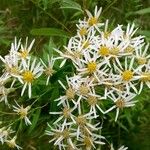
(110, 69)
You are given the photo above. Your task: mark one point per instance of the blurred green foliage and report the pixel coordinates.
(52, 22)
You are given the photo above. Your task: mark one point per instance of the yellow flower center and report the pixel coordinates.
(83, 90)
(83, 31)
(28, 76)
(49, 71)
(11, 143)
(23, 111)
(127, 75)
(104, 51)
(81, 120)
(91, 66)
(88, 142)
(145, 76)
(92, 21)
(141, 60)
(66, 112)
(120, 103)
(66, 134)
(70, 93)
(23, 54)
(92, 100)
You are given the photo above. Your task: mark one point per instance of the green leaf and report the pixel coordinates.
(139, 12)
(35, 120)
(69, 4)
(143, 11)
(49, 32)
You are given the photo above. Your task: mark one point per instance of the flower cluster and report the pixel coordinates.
(111, 66)
(20, 69)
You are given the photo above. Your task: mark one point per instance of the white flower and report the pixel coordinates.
(84, 124)
(121, 101)
(23, 112)
(29, 74)
(66, 115)
(25, 50)
(141, 55)
(127, 37)
(70, 92)
(144, 73)
(127, 75)
(4, 134)
(90, 141)
(12, 66)
(93, 102)
(90, 65)
(93, 19)
(60, 136)
(48, 69)
(12, 143)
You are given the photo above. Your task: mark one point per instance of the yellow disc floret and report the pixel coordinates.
(24, 54)
(70, 93)
(84, 90)
(91, 67)
(104, 51)
(127, 75)
(92, 21)
(83, 31)
(81, 120)
(141, 60)
(92, 100)
(28, 76)
(120, 103)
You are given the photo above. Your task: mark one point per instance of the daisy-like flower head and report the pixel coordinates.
(70, 92)
(4, 134)
(3, 90)
(141, 55)
(144, 73)
(22, 112)
(25, 50)
(84, 124)
(60, 136)
(48, 69)
(12, 143)
(30, 72)
(128, 36)
(66, 115)
(82, 28)
(12, 67)
(121, 101)
(91, 141)
(89, 65)
(128, 75)
(93, 102)
(93, 20)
